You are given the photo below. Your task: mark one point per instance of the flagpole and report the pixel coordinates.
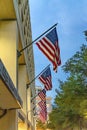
(37, 75)
(19, 52)
(35, 96)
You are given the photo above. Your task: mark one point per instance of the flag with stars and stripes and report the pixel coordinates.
(50, 48)
(42, 105)
(46, 79)
(42, 95)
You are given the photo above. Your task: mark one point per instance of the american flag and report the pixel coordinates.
(46, 79)
(42, 105)
(50, 48)
(43, 115)
(42, 94)
(41, 118)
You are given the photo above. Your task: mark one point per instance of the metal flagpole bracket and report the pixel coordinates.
(27, 85)
(18, 54)
(2, 112)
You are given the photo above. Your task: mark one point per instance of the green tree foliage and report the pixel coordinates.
(71, 101)
(40, 125)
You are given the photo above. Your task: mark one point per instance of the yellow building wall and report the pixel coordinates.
(8, 39)
(22, 126)
(9, 121)
(22, 86)
(29, 105)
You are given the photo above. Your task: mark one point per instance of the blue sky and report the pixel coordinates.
(71, 17)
